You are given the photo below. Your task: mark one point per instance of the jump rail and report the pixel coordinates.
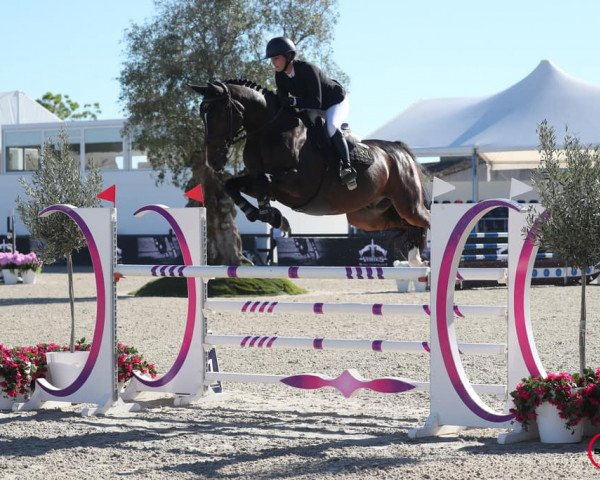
(261, 341)
(295, 272)
(377, 309)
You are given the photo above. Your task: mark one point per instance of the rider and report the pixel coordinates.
(303, 85)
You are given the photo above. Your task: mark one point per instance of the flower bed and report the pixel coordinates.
(21, 366)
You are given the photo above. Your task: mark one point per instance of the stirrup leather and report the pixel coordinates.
(348, 177)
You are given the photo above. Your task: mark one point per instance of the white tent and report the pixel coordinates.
(501, 128)
(16, 107)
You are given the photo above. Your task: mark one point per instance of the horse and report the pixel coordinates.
(296, 166)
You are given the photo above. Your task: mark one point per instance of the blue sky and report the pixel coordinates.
(396, 52)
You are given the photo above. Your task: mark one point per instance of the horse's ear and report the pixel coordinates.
(215, 89)
(200, 89)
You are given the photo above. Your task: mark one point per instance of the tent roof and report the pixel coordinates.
(502, 127)
(16, 107)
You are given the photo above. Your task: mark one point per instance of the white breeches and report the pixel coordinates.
(336, 115)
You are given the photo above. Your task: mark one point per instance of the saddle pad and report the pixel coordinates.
(361, 155)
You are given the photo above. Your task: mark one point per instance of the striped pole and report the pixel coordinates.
(262, 341)
(377, 309)
(488, 235)
(493, 256)
(348, 273)
(483, 246)
(222, 271)
(560, 272)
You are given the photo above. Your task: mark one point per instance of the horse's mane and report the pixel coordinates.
(250, 84)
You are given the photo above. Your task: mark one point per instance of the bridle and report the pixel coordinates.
(232, 106)
(233, 135)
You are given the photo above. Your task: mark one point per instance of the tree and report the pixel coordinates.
(200, 40)
(66, 109)
(58, 180)
(568, 181)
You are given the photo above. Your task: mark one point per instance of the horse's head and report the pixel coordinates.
(223, 118)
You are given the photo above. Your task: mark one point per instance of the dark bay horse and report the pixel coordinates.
(285, 164)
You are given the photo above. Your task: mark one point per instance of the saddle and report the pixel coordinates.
(360, 153)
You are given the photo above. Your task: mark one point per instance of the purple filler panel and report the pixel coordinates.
(100, 304)
(444, 294)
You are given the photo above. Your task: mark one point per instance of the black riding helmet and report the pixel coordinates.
(281, 46)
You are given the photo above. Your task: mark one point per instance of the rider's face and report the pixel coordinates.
(278, 62)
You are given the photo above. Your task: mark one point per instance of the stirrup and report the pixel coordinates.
(348, 177)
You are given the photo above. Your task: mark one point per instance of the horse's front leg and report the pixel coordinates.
(256, 186)
(234, 187)
(266, 212)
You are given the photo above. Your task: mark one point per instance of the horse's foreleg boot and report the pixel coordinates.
(263, 206)
(250, 211)
(273, 217)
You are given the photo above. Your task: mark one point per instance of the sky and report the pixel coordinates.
(395, 52)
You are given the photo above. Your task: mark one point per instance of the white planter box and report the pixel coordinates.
(65, 367)
(10, 276)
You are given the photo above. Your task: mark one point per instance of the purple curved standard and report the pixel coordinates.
(526, 341)
(348, 382)
(100, 304)
(445, 292)
(191, 312)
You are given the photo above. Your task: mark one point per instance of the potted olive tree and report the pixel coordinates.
(568, 182)
(59, 180)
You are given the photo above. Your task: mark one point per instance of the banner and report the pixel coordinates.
(337, 251)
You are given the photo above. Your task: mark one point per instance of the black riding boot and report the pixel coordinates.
(347, 173)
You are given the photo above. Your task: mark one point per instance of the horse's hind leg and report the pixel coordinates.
(408, 201)
(418, 216)
(370, 219)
